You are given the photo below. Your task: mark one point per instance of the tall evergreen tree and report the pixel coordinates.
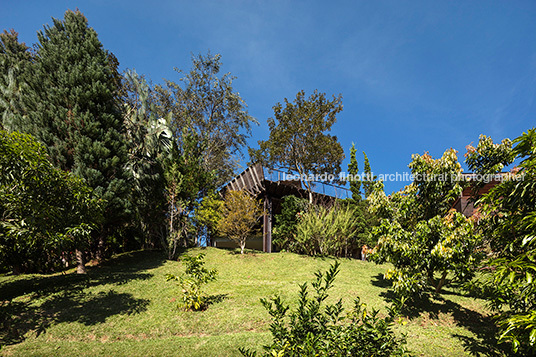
(353, 172)
(15, 59)
(73, 108)
(368, 182)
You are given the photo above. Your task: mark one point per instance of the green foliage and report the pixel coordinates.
(209, 214)
(508, 223)
(428, 245)
(15, 60)
(71, 104)
(315, 328)
(204, 102)
(240, 214)
(44, 211)
(185, 183)
(353, 171)
(369, 182)
(284, 230)
(487, 157)
(193, 297)
(364, 218)
(149, 143)
(323, 231)
(298, 137)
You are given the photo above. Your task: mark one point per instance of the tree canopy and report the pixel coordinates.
(299, 139)
(429, 244)
(45, 212)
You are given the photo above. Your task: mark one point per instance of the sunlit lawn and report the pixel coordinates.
(125, 307)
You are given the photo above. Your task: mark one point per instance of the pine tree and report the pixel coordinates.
(353, 172)
(368, 182)
(15, 59)
(73, 108)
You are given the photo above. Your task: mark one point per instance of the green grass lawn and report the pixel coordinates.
(125, 307)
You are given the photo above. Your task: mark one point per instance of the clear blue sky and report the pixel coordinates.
(415, 75)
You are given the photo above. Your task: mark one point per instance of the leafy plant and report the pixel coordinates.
(240, 214)
(284, 232)
(44, 211)
(428, 244)
(323, 231)
(315, 328)
(508, 223)
(196, 275)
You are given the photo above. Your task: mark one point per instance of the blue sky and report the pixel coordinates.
(415, 75)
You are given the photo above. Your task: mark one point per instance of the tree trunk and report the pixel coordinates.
(81, 262)
(441, 282)
(17, 270)
(242, 246)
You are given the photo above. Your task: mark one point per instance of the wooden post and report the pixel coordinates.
(267, 225)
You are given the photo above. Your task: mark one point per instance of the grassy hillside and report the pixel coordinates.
(125, 307)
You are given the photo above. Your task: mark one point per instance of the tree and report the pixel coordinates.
(44, 211)
(15, 59)
(206, 103)
(73, 108)
(284, 230)
(208, 214)
(353, 172)
(149, 140)
(370, 179)
(298, 138)
(186, 179)
(364, 219)
(240, 215)
(429, 244)
(196, 275)
(508, 216)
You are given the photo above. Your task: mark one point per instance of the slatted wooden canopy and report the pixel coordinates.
(270, 187)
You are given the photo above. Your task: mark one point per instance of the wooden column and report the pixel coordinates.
(267, 225)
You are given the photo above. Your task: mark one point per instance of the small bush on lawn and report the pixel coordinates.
(193, 297)
(313, 329)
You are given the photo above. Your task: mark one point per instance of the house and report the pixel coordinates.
(465, 203)
(270, 186)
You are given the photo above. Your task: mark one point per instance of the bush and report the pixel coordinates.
(313, 329)
(193, 297)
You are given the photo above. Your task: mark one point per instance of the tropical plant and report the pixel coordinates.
(149, 141)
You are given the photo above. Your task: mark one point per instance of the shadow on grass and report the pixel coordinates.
(216, 298)
(64, 298)
(379, 281)
(484, 342)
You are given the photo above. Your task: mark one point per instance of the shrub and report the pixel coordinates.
(323, 231)
(193, 297)
(318, 329)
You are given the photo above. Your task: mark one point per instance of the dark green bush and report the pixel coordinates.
(314, 328)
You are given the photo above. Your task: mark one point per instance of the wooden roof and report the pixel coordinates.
(259, 181)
